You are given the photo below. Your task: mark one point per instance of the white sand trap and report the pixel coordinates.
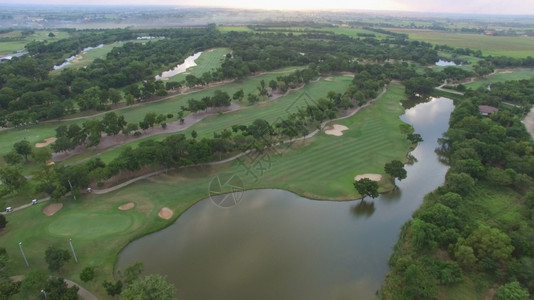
(373, 177)
(337, 130)
(165, 213)
(127, 206)
(51, 209)
(47, 142)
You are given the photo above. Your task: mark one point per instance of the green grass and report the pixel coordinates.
(37, 133)
(41, 35)
(89, 56)
(489, 45)
(268, 110)
(501, 76)
(322, 167)
(208, 61)
(32, 133)
(90, 226)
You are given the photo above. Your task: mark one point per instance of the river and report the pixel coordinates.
(278, 245)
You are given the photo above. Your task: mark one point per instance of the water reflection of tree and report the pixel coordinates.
(363, 209)
(392, 196)
(413, 101)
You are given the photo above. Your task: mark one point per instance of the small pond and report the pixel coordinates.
(69, 59)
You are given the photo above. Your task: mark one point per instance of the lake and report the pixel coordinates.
(181, 68)
(278, 245)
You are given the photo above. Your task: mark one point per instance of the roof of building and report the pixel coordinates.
(486, 109)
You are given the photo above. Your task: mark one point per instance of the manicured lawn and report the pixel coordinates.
(322, 167)
(268, 110)
(208, 61)
(489, 45)
(501, 76)
(8, 47)
(89, 56)
(37, 133)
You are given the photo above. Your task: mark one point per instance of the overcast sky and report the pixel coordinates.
(455, 6)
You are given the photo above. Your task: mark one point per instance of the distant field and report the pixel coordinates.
(9, 47)
(208, 61)
(233, 28)
(489, 45)
(350, 31)
(501, 76)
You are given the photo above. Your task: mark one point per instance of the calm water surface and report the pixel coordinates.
(277, 245)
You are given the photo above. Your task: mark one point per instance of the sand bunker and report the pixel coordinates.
(373, 177)
(127, 206)
(337, 130)
(165, 213)
(51, 209)
(47, 142)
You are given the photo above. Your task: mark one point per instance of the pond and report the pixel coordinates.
(278, 245)
(445, 63)
(188, 63)
(69, 59)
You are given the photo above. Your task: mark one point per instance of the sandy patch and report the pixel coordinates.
(373, 177)
(506, 71)
(127, 206)
(51, 209)
(337, 130)
(47, 142)
(165, 213)
(329, 78)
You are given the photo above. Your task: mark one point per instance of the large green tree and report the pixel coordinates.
(56, 288)
(12, 178)
(395, 169)
(366, 187)
(23, 148)
(153, 287)
(56, 258)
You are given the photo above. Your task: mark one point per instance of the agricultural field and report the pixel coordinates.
(8, 47)
(519, 46)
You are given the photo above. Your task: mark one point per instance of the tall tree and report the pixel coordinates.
(23, 148)
(366, 187)
(151, 287)
(12, 178)
(395, 169)
(56, 288)
(56, 258)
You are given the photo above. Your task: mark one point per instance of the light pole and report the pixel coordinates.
(22, 251)
(73, 253)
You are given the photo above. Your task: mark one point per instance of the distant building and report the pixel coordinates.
(487, 110)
